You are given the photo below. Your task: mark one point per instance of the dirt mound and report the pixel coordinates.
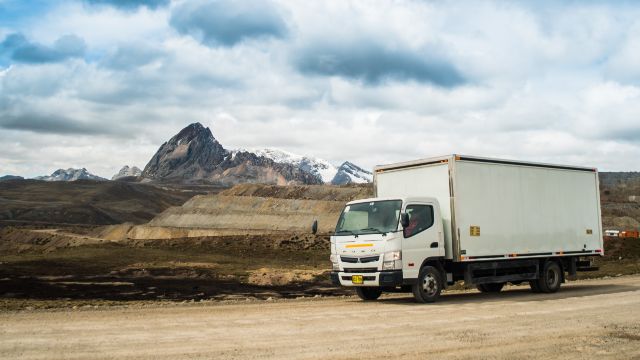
(16, 240)
(141, 232)
(84, 201)
(271, 277)
(626, 222)
(615, 248)
(343, 193)
(257, 242)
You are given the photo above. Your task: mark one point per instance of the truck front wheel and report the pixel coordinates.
(429, 285)
(368, 293)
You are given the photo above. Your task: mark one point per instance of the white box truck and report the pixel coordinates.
(485, 221)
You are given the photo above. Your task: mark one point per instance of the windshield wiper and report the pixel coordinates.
(374, 229)
(346, 232)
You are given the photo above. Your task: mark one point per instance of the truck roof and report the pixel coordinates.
(458, 157)
(403, 198)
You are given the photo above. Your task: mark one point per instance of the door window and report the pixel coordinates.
(420, 219)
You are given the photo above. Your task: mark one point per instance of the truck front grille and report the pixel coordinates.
(369, 259)
(360, 270)
(366, 259)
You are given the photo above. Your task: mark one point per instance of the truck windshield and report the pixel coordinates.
(369, 217)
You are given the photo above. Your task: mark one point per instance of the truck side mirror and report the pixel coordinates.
(314, 227)
(404, 220)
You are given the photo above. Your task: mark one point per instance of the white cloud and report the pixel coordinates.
(554, 82)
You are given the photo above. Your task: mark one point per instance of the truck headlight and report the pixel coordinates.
(334, 262)
(392, 265)
(392, 260)
(393, 255)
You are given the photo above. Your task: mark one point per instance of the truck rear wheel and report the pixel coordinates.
(551, 277)
(368, 293)
(429, 285)
(490, 288)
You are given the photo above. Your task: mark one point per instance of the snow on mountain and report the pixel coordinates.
(127, 171)
(70, 174)
(349, 173)
(315, 166)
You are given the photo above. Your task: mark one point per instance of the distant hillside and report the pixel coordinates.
(618, 186)
(342, 193)
(620, 210)
(84, 201)
(10, 177)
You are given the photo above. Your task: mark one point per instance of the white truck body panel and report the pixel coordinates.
(497, 209)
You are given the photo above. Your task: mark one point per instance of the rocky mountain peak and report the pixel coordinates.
(127, 171)
(349, 173)
(192, 131)
(190, 154)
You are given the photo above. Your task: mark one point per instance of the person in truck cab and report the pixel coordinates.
(417, 219)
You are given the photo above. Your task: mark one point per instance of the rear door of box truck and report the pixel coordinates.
(506, 210)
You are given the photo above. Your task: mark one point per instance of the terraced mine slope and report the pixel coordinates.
(246, 209)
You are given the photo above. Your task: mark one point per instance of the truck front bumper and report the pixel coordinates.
(381, 278)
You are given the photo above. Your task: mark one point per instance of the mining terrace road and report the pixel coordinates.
(586, 319)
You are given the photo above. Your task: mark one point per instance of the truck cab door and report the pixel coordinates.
(422, 238)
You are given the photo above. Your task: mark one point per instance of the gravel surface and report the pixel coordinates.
(586, 319)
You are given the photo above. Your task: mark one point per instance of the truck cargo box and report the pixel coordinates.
(500, 209)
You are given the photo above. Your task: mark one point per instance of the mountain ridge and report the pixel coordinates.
(350, 173)
(11, 177)
(127, 171)
(194, 154)
(70, 174)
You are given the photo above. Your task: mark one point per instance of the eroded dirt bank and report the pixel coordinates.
(586, 319)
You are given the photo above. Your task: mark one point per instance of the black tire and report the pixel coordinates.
(551, 277)
(368, 293)
(429, 285)
(490, 288)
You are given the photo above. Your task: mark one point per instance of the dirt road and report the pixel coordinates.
(586, 319)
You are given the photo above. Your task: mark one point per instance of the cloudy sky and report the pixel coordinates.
(100, 84)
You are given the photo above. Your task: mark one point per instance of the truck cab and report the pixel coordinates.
(383, 243)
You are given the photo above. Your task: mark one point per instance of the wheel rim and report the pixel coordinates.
(429, 284)
(552, 277)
